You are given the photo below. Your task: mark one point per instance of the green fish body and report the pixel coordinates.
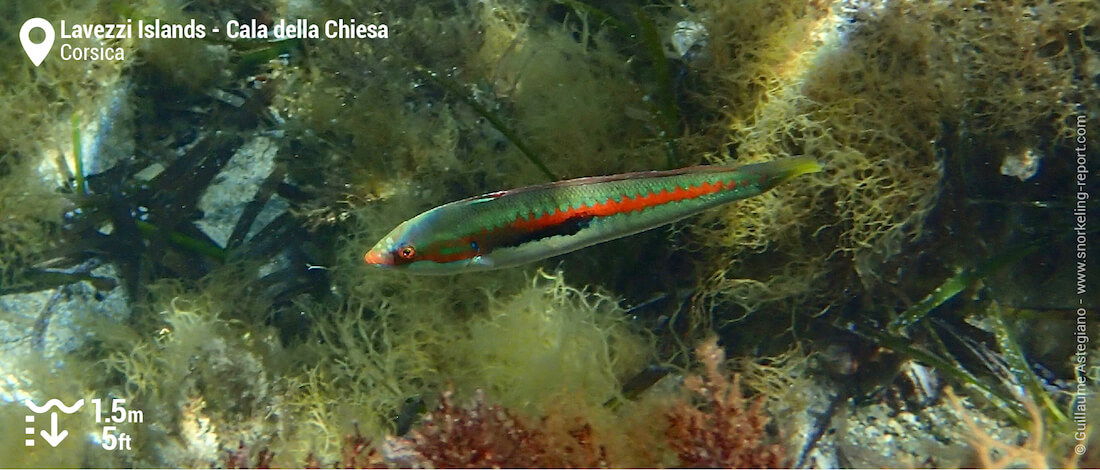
(518, 226)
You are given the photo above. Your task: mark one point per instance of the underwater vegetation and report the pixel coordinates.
(709, 424)
(185, 230)
(879, 101)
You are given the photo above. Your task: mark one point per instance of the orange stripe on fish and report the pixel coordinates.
(508, 228)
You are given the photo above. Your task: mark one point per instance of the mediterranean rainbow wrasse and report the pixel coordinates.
(517, 226)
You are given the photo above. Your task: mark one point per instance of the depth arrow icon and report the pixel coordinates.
(53, 437)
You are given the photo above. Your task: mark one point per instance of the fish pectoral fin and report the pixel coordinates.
(481, 261)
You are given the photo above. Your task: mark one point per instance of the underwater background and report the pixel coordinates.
(182, 235)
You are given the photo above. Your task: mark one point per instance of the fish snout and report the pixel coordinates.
(379, 257)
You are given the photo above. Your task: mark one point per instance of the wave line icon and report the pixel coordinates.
(55, 402)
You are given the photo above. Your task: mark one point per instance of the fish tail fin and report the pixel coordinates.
(790, 167)
(781, 170)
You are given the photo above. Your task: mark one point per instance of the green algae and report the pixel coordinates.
(371, 142)
(453, 87)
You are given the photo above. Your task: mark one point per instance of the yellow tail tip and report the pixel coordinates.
(795, 166)
(784, 169)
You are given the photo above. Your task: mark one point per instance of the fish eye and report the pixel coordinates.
(406, 252)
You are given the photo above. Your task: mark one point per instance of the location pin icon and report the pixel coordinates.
(37, 52)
